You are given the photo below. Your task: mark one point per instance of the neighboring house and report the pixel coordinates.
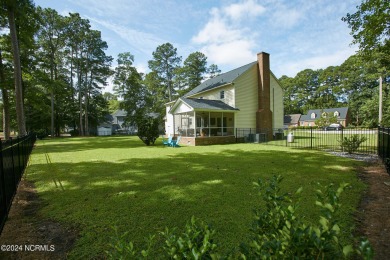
(292, 120)
(341, 113)
(116, 123)
(249, 97)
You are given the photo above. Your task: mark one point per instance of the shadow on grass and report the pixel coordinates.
(76, 144)
(144, 195)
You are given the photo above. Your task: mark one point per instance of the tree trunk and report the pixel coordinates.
(52, 94)
(17, 74)
(4, 91)
(80, 102)
(86, 102)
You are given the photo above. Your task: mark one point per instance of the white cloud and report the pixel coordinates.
(314, 62)
(224, 39)
(226, 53)
(244, 9)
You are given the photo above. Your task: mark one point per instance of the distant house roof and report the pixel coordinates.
(204, 104)
(222, 79)
(120, 112)
(343, 111)
(292, 119)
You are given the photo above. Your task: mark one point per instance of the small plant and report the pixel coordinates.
(41, 133)
(196, 242)
(352, 143)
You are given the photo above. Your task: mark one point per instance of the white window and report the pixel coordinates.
(336, 114)
(222, 94)
(313, 115)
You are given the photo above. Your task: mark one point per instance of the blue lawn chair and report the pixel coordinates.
(175, 143)
(168, 142)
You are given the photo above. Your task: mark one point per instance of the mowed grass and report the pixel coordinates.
(97, 183)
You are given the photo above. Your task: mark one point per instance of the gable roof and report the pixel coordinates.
(318, 112)
(292, 119)
(222, 79)
(203, 104)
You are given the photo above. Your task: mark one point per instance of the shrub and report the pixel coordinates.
(196, 242)
(41, 133)
(148, 129)
(74, 132)
(352, 143)
(278, 233)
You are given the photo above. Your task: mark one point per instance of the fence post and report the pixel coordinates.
(311, 137)
(342, 137)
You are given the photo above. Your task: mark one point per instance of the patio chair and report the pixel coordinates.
(175, 143)
(168, 142)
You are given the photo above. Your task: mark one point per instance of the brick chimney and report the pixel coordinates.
(264, 113)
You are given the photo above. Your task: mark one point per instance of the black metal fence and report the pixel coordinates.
(384, 146)
(311, 138)
(14, 154)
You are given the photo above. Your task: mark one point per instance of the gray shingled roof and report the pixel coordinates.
(206, 104)
(220, 80)
(342, 110)
(292, 119)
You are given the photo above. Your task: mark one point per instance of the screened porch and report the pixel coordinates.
(204, 124)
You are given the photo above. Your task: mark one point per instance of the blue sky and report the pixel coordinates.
(298, 34)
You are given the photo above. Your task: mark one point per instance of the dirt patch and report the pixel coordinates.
(26, 235)
(25, 227)
(374, 211)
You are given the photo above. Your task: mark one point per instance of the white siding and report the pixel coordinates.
(182, 108)
(168, 121)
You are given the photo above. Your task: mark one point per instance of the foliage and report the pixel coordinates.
(196, 242)
(41, 133)
(280, 233)
(353, 84)
(352, 143)
(148, 129)
(325, 119)
(164, 63)
(370, 24)
(128, 85)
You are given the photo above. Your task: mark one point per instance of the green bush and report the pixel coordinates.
(277, 232)
(74, 132)
(148, 129)
(352, 143)
(41, 133)
(196, 242)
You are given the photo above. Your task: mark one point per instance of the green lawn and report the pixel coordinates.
(100, 182)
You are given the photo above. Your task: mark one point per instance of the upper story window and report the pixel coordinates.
(313, 115)
(324, 115)
(336, 114)
(222, 94)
